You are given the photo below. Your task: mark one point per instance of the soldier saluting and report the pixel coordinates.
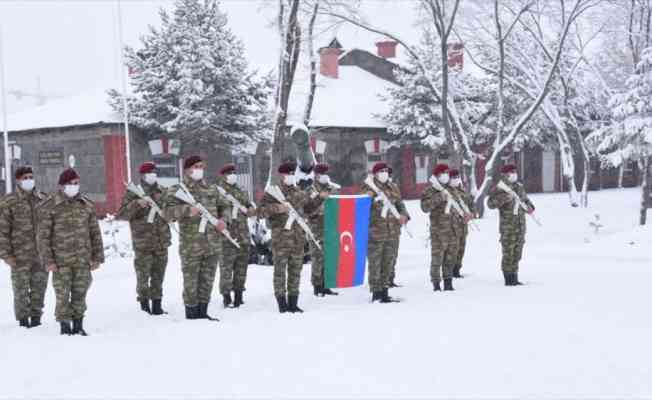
(150, 236)
(235, 261)
(199, 245)
(321, 184)
(382, 234)
(18, 229)
(288, 237)
(509, 197)
(70, 245)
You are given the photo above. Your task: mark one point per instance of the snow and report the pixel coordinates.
(351, 100)
(86, 108)
(580, 327)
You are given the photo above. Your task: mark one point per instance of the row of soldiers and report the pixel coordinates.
(59, 233)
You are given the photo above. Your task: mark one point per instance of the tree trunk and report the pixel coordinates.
(645, 190)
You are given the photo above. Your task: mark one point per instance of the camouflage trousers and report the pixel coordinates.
(198, 278)
(512, 252)
(392, 271)
(233, 268)
(288, 262)
(443, 255)
(150, 273)
(461, 249)
(29, 282)
(381, 255)
(317, 264)
(71, 284)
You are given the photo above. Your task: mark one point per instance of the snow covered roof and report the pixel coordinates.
(82, 109)
(351, 100)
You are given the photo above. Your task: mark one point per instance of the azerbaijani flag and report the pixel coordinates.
(346, 232)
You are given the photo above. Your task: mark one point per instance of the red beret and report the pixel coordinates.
(287, 168)
(147, 167)
(508, 168)
(190, 161)
(23, 171)
(454, 173)
(379, 166)
(440, 169)
(227, 169)
(321, 168)
(67, 176)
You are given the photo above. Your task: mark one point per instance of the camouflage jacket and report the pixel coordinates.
(238, 227)
(384, 228)
(18, 225)
(146, 237)
(510, 223)
(68, 231)
(317, 217)
(302, 202)
(443, 222)
(461, 195)
(191, 241)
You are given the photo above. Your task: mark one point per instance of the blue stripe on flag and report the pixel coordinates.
(362, 211)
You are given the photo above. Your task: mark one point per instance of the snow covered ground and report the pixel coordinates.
(581, 327)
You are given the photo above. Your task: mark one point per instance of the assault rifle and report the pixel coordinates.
(518, 203)
(293, 216)
(388, 206)
(236, 205)
(458, 206)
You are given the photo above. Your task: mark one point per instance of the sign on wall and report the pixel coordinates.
(51, 158)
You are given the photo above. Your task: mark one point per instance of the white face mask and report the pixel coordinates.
(456, 182)
(197, 174)
(324, 179)
(383, 176)
(150, 178)
(27, 184)
(231, 179)
(288, 180)
(512, 177)
(71, 190)
(443, 179)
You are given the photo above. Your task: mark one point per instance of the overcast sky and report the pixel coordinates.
(71, 46)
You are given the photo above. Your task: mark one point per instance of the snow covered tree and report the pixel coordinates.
(190, 80)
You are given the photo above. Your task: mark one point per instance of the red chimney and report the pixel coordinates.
(386, 48)
(329, 61)
(455, 56)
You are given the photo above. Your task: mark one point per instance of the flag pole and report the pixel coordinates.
(3, 90)
(125, 105)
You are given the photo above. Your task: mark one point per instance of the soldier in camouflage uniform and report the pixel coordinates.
(457, 190)
(288, 244)
(200, 251)
(396, 232)
(150, 240)
(18, 222)
(512, 222)
(321, 184)
(70, 245)
(445, 232)
(382, 233)
(233, 268)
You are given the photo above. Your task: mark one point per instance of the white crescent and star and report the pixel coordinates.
(347, 247)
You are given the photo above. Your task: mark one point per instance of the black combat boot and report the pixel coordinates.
(203, 312)
(328, 292)
(23, 322)
(377, 295)
(65, 328)
(192, 312)
(226, 299)
(508, 278)
(282, 304)
(157, 309)
(448, 284)
(385, 297)
(456, 271)
(237, 301)
(34, 322)
(515, 281)
(78, 327)
(318, 290)
(144, 305)
(292, 304)
(436, 287)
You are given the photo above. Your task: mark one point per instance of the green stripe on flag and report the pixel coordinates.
(331, 242)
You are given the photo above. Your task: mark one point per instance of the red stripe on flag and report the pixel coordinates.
(346, 228)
